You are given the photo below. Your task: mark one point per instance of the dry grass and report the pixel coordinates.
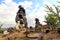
(0, 36)
(21, 35)
(52, 35)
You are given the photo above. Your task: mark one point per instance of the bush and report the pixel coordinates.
(1, 30)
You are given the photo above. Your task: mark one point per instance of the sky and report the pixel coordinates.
(34, 9)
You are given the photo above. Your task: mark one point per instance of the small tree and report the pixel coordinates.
(1, 30)
(52, 18)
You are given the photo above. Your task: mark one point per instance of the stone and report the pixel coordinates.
(20, 19)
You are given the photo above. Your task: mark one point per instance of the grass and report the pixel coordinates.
(52, 35)
(0, 36)
(21, 35)
(30, 34)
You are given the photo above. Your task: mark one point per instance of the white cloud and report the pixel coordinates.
(52, 5)
(46, 2)
(8, 11)
(40, 14)
(7, 1)
(26, 4)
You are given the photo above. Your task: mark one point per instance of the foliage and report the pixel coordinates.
(39, 27)
(1, 30)
(53, 17)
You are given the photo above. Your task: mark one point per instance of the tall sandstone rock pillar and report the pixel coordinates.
(21, 16)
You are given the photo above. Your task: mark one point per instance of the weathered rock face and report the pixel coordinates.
(37, 24)
(21, 16)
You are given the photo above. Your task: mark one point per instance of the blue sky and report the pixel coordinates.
(34, 9)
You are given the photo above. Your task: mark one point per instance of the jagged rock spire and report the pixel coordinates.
(21, 16)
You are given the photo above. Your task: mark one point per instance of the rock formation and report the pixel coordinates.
(37, 24)
(21, 17)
